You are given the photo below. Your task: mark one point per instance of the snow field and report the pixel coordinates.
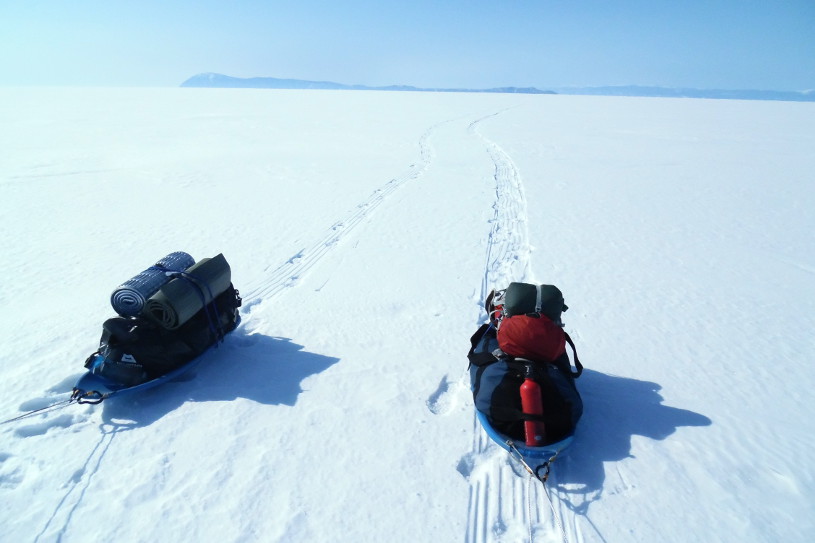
(363, 230)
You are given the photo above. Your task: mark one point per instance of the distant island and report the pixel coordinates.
(227, 82)
(212, 80)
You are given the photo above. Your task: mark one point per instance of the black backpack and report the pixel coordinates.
(135, 349)
(496, 378)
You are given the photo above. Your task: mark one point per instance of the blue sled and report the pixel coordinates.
(536, 460)
(486, 373)
(93, 388)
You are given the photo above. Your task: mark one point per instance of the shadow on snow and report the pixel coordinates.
(615, 410)
(265, 369)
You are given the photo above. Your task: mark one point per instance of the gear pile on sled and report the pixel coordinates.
(522, 380)
(168, 315)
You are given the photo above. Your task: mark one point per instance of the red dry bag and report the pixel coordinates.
(532, 337)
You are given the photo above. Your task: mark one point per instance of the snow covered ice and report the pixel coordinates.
(364, 230)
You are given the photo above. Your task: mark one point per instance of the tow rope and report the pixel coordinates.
(77, 396)
(542, 477)
(52, 407)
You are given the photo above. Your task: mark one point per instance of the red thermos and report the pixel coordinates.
(532, 404)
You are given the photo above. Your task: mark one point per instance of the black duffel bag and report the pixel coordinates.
(136, 349)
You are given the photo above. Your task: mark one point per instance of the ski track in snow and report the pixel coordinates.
(58, 467)
(57, 525)
(286, 275)
(508, 250)
(289, 273)
(503, 505)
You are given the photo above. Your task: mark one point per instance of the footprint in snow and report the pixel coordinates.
(12, 471)
(445, 398)
(245, 340)
(248, 305)
(466, 465)
(483, 464)
(31, 430)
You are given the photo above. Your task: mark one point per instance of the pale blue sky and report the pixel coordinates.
(708, 44)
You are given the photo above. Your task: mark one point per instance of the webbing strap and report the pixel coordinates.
(510, 414)
(213, 321)
(484, 358)
(538, 299)
(577, 363)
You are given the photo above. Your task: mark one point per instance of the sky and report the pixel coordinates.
(705, 44)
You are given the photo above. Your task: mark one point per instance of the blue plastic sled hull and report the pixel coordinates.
(93, 388)
(103, 388)
(534, 457)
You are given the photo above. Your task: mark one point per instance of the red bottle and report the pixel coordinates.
(532, 404)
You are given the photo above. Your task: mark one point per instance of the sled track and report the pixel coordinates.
(505, 504)
(289, 273)
(508, 251)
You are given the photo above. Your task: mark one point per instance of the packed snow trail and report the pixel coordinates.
(508, 250)
(503, 505)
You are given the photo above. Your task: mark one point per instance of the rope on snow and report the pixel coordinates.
(77, 396)
(52, 407)
(536, 474)
(554, 513)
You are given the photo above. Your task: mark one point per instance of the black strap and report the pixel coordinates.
(562, 362)
(480, 360)
(484, 358)
(577, 363)
(508, 414)
(488, 302)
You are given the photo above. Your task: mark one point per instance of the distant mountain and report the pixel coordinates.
(225, 81)
(213, 80)
(633, 90)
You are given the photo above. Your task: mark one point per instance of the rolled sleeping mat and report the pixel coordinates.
(129, 298)
(177, 301)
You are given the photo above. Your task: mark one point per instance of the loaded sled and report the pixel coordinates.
(169, 315)
(521, 377)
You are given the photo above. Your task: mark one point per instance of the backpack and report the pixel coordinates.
(133, 350)
(496, 378)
